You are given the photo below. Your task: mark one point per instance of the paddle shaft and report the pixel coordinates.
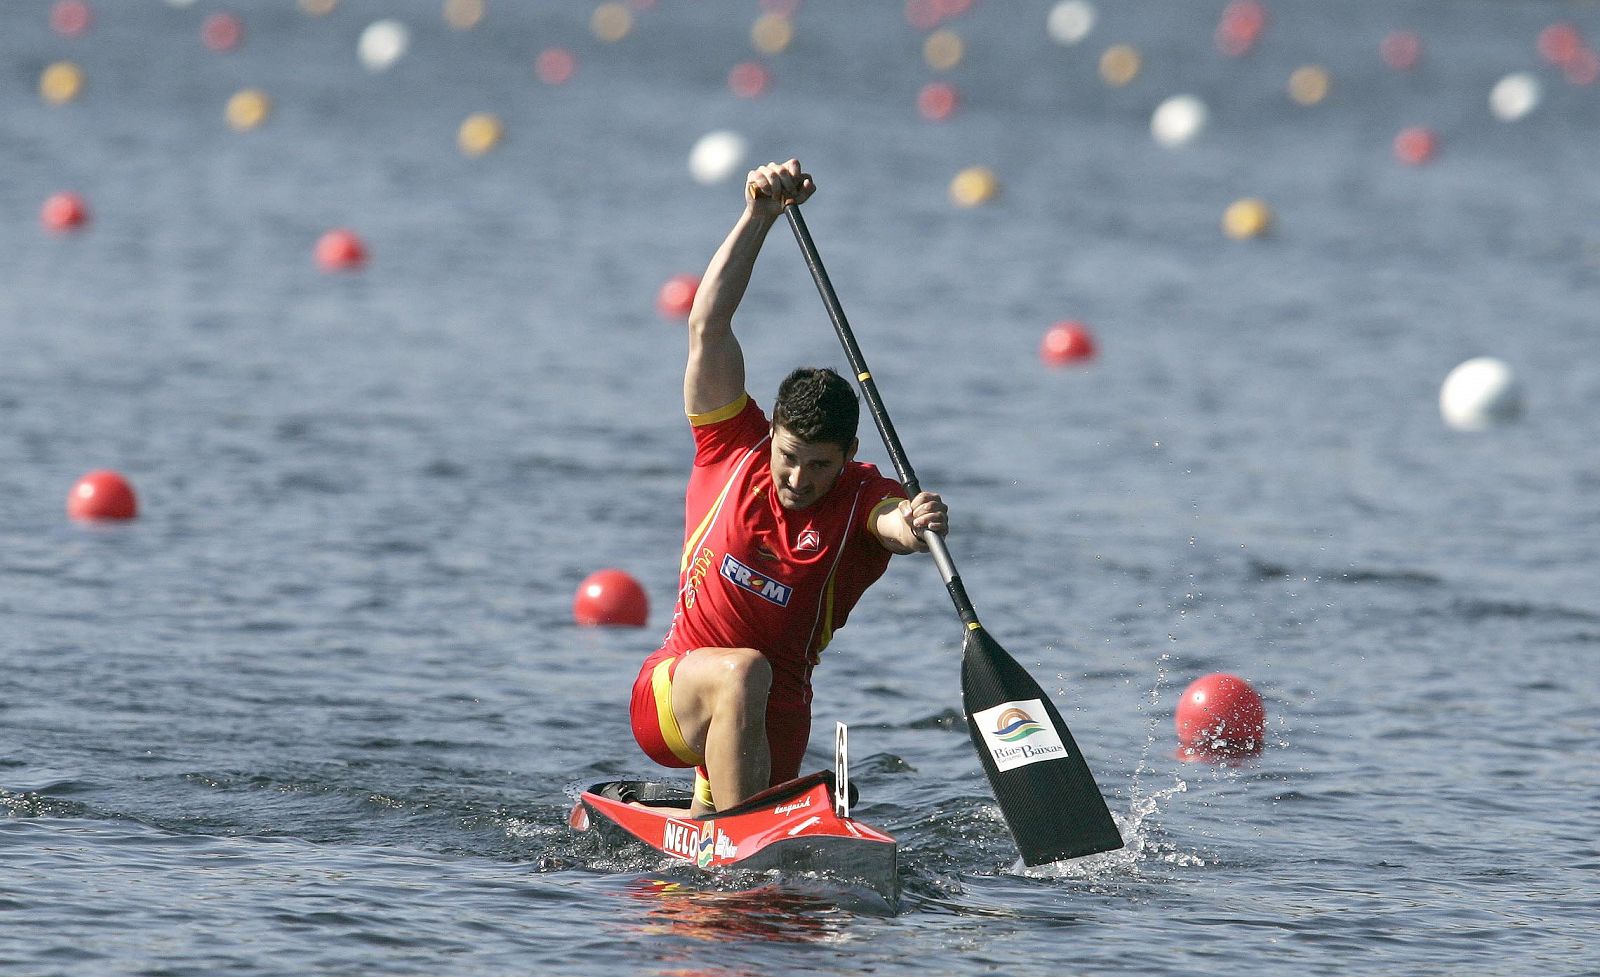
(880, 414)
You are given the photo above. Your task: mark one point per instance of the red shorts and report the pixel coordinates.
(656, 728)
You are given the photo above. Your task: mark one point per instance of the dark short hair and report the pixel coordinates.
(817, 406)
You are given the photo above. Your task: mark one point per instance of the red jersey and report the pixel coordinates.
(757, 575)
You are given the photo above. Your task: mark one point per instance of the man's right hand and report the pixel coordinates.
(770, 188)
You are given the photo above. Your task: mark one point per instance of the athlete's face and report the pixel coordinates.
(803, 471)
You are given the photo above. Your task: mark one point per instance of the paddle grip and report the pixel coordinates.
(880, 414)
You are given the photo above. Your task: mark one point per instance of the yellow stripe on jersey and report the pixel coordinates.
(720, 414)
(872, 517)
(700, 531)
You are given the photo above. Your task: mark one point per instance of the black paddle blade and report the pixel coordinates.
(1046, 792)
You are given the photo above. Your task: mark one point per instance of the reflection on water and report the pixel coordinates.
(768, 914)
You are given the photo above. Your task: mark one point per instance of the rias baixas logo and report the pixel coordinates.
(1019, 733)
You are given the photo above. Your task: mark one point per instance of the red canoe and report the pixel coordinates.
(793, 827)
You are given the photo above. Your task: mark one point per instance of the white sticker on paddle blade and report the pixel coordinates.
(1019, 733)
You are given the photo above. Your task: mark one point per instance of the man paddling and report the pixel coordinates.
(783, 532)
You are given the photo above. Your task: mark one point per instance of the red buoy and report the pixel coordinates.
(555, 65)
(1240, 27)
(937, 101)
(1066, 342)
(1220, 715)
(222, 32)
(1401, 50)
(749, 79)
(1560, 43)
(340, 250)
(1416, 145)
(64, 212)
(610, 598)
(102, 495)
(71, 18)
(676, 297)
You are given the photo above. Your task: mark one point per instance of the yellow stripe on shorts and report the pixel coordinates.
(661, 687)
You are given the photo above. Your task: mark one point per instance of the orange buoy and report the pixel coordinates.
(341, 250)
(676, 297)
(1416, 145)
(610, 598)
(1066, 342)
(63, 213)
(102, 494)
(1220, 715)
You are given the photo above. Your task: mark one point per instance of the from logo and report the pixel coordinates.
(809, 539)
(745, 578)
(1014, 725)
(1014, 738)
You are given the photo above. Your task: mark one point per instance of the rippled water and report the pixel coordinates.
(322, 709)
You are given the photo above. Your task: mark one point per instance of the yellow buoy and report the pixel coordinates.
(771, 33)
(480, 133)
(248, 108)
(611, 22)
(1120, 64)
(61, 83)
(973, 186)
(318, 8)
(1309, 84)
(463, 15)
(1246, 219)
(943, 50)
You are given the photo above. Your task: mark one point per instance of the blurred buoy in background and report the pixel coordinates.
(479, 133)
(1220, 716)
(1416, 145)
(1240, 27)
(1584, 68)
(924, 15)
(1514, 96)
(382, 43)
(1309, 84)
(61, 82)
(943, 50)
(71, 18)
(318, 8)
(1246, 219)
(221, 32)
(1070, 21)
(248, 109)
(102, 494)
(611, 22)
(1120, 65)
(937, 101)
(771, 33)
(676, 296)
(64, 212)
(1066, 342)
(341, 250)
(974, 186)
(1401, 50)
(1560, 43)
(555, 65)
(463, 15)
(610, 598)
(716, 156)
(749, 79)
(1178, 120)
(1479, 394)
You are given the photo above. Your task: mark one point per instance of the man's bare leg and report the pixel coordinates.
(719, 696)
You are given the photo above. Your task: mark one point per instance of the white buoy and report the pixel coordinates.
(1070, 21)
(1178, 120)
(1480, 393)
(1514, 96)
(717, 156)
(382, 44)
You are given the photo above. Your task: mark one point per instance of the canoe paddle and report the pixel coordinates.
(1046, 792)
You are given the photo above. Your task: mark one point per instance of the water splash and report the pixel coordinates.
(1145, 845)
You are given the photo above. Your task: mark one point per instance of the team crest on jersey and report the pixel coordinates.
(764, 587)
(809, 539)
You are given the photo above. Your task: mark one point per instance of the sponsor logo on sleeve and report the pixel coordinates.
(1019, 733)
(762, 586)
